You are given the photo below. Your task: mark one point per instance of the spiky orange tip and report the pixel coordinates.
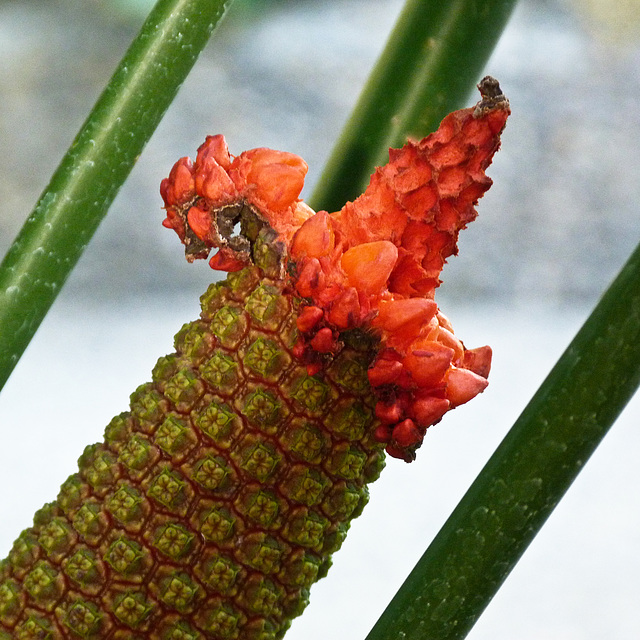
(372, 266)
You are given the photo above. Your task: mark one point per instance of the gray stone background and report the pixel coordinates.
(558, 224)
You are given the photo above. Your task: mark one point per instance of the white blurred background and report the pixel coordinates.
(558, 224)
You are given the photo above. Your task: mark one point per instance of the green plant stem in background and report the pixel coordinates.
(527, 476)
(434, 56)
(96, 165)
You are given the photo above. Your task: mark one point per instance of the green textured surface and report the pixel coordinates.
(216, 501)
(527, 476)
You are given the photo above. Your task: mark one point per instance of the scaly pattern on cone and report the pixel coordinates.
(216, 501)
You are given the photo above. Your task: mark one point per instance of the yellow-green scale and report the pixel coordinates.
(216, 502)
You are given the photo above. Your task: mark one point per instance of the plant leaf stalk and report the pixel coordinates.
(434, 56)
(526, 477)
(97, 163)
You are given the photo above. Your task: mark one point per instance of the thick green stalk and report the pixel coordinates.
(96, 165)
(434, 56)
(527, 476)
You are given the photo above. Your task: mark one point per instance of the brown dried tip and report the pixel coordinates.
(492, 97)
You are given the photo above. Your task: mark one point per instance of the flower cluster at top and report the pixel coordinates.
(372, 266)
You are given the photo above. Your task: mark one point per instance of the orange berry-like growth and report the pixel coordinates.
(373, 266)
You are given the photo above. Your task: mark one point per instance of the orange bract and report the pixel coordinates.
(263, 180)
(373, 266)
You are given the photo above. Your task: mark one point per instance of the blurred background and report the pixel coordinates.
(559, 222)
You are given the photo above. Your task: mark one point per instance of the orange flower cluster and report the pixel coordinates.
(204, 200)
(373, 266)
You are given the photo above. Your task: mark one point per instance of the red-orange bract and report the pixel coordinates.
(217, 500)
(372, 266)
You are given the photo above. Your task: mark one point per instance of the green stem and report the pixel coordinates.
(96, 165)
(434, 55)
(527, 476)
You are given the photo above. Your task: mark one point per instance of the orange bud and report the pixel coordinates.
(299, 349)
(427, 362)
(368, 266)
(315, 238)
(406, 433)
(180, 185)
(214, 147)
(427, 411)
(311, 278)
(478, 360)
(274, 177)
(225, 261)
(389, 413)
(446, 337)
(199, 221)
(309, 318)
(323, 341)
(345, 310)
(382, 433)
(384, 372)
(462, 385)
(314, 368)
(401, 453)
(213, 182)
(393, 314)
(174, 221)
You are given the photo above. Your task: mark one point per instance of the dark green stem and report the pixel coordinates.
(433, 58)
(527, 476)
(96, 165)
